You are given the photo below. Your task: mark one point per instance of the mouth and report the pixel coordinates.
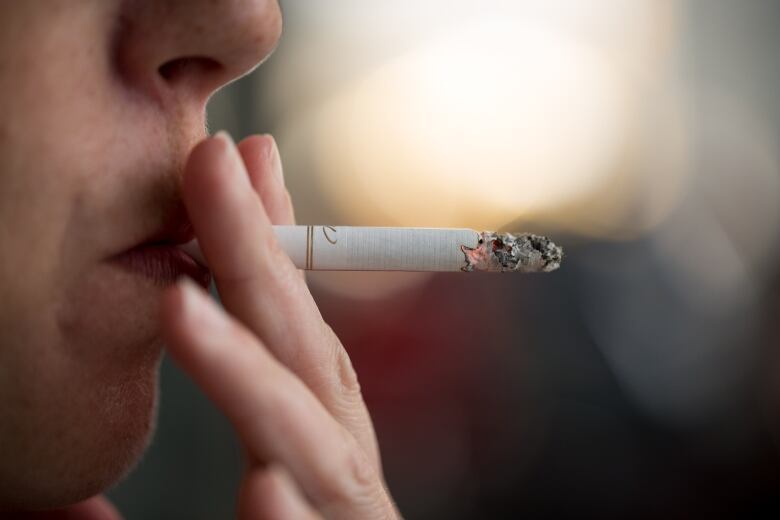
(162, 263)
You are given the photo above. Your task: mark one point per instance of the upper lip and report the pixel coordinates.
(151, 211)
(175, 230)
(175, 233)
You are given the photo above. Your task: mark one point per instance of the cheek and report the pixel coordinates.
(72, 433)
(56, 108)
(78, 400)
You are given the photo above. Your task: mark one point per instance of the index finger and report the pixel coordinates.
(259, 284)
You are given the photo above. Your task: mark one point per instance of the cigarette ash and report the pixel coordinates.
(505, 252)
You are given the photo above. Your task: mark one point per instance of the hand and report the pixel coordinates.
(270, 363)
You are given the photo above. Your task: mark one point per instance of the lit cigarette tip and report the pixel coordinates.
(505, 252)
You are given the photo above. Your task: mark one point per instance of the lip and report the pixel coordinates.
(163, 264)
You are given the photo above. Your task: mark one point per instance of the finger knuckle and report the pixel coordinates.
(348, 379)
(271, 245)
(346, 376)
(269, 248)
(288, 203)
(359, 467)
(351, 479)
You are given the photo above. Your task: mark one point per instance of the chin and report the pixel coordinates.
(72, 445)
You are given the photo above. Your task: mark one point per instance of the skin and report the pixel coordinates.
(103, 143)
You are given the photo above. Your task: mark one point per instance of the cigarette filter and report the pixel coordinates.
(345, 248)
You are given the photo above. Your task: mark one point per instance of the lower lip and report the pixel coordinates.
(163, 264)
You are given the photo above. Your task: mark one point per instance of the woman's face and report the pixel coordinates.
(101, 101)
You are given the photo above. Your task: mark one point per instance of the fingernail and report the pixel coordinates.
(224, 136)
(276, 160)
(197, 309)
(233, 155)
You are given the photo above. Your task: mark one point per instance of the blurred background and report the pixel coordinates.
(641, 379)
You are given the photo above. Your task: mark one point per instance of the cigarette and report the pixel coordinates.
(345, 248)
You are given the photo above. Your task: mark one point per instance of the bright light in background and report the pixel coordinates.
(475, 128)
(521, 111)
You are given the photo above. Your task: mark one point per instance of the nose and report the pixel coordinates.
(185, 50)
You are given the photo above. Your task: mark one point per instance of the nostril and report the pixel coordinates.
(190, 68)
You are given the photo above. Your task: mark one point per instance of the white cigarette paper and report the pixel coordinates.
(345, 248)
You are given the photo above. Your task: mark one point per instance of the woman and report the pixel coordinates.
(106, 168)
